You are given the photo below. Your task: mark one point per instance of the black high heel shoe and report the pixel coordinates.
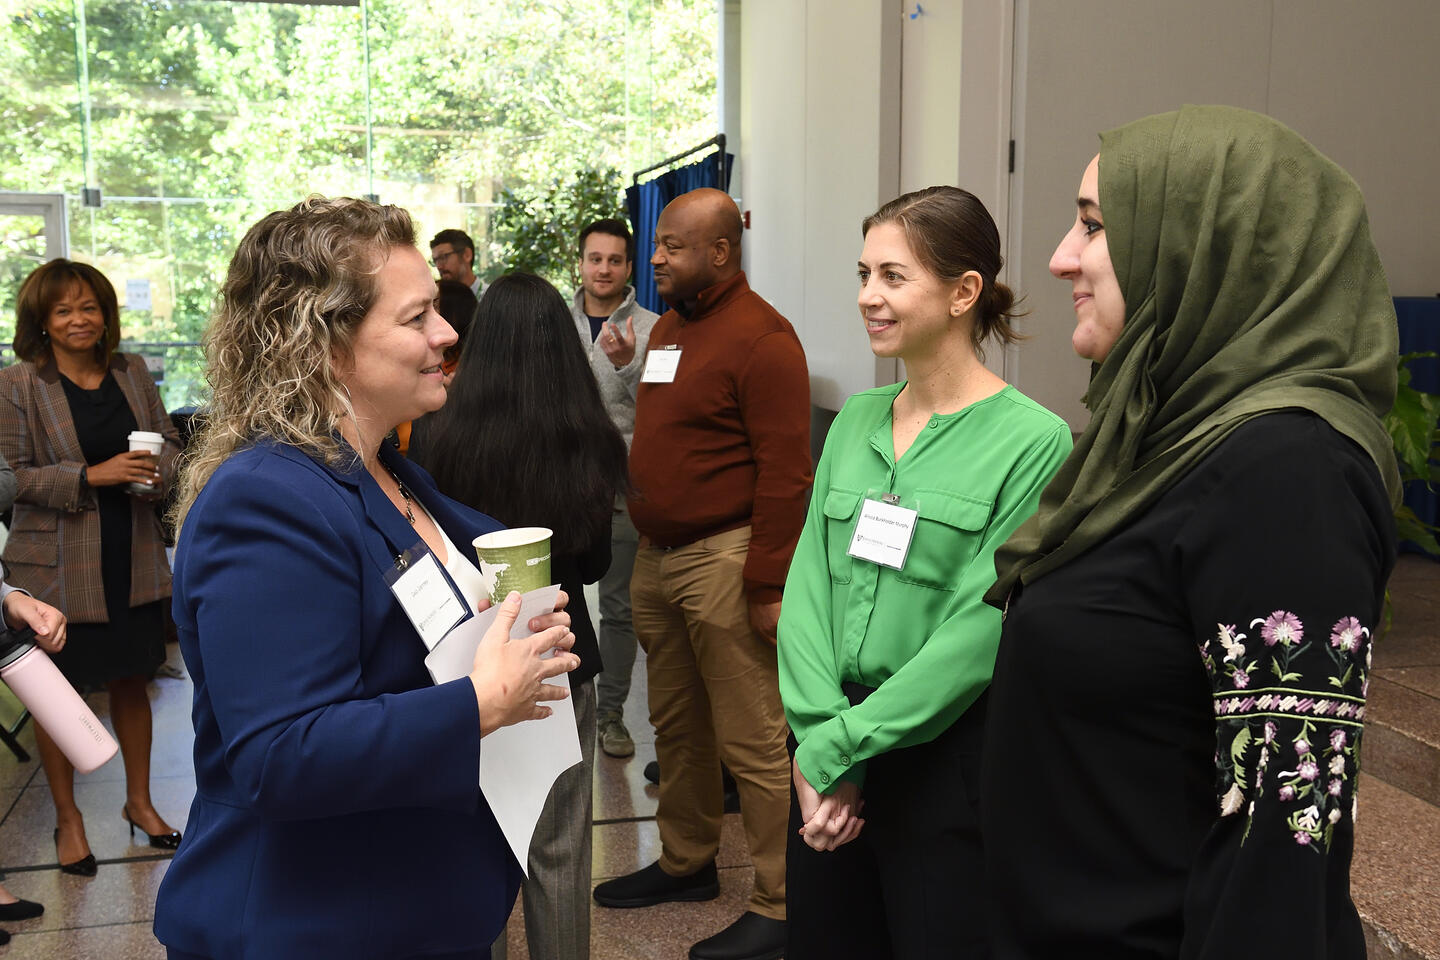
(84, 867)
(160, 841)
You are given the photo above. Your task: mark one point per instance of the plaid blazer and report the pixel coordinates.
(54, 545)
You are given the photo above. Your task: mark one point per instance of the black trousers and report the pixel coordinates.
(911, 886)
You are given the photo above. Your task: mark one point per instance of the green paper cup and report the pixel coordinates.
(516, 559)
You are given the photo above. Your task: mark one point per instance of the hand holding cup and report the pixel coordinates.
(132, 467)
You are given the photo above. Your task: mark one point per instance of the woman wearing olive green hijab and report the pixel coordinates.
(1175, 717)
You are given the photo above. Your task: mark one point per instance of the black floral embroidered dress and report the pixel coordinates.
(1175, 719)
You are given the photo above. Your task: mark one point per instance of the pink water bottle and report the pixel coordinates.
(53, 703)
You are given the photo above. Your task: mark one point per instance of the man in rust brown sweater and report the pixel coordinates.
(721, 469)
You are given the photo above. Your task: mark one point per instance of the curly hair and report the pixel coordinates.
(298, 287)
(38, 296)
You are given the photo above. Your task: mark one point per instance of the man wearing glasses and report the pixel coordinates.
(452, 253)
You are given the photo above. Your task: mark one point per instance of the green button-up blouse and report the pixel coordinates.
(921, 635)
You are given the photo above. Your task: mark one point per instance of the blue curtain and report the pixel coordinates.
(644, 203)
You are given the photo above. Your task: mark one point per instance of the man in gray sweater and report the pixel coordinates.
(615, 330)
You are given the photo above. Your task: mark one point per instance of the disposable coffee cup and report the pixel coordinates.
(516, 559)
(152, 443)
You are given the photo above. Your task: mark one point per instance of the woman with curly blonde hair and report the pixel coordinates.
(327, 764)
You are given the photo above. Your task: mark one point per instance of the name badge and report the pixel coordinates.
(425, 595)
(661, 364)
(883, 532)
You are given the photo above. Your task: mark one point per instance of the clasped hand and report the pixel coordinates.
(509, 675)
(830, 820)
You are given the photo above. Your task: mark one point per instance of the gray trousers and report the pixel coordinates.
(617, 635)
(557, 892)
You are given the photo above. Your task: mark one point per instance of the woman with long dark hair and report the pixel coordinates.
(524, 402)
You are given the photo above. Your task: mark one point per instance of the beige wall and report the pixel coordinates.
(1356, 79)
(819, 151)
(846, 103)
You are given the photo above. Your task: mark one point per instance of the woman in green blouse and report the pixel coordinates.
(886, 646)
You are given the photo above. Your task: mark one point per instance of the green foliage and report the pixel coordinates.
(204, 116)
(536, 226)
(1412, 425)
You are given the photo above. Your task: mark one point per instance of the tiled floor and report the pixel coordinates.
(109, 917)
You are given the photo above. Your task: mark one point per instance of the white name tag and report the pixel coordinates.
(660, 365)
(427, 599)
(883, 533)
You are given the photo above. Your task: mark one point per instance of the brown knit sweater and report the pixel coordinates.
(728, 442)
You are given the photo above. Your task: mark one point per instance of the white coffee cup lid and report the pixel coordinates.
(147, 435)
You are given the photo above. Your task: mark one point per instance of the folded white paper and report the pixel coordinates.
(518, 763)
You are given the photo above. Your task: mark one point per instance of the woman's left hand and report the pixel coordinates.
(831, 820)
(47, 622)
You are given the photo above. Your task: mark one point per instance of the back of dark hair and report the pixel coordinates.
(524, 435)
(614, 228)
(458, 239)
(951, 233)
(43, 289)
(456, 303)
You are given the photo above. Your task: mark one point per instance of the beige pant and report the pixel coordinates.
(714, 695)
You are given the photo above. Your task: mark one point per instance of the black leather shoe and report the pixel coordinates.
(651, 885)
(160, 841)
(20, 910)
(84, 867)
(752, 937)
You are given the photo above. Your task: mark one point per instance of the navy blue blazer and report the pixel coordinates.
(337, 810)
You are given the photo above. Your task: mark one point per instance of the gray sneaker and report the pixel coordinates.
(614, 738)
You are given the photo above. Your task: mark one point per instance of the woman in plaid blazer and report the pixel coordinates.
(80, 539)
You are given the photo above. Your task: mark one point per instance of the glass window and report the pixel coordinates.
(193, 118)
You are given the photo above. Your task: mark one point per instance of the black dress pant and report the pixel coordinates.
(911, 886)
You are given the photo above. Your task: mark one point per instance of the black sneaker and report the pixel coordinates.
(651, 885)
(752, 937)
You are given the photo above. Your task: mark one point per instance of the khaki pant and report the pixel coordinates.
(714, 695)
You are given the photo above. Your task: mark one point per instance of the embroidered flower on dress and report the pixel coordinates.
(1280, 627)
(1347, 634)
(1234, 797)
(1230, 640)
(1283, 708)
